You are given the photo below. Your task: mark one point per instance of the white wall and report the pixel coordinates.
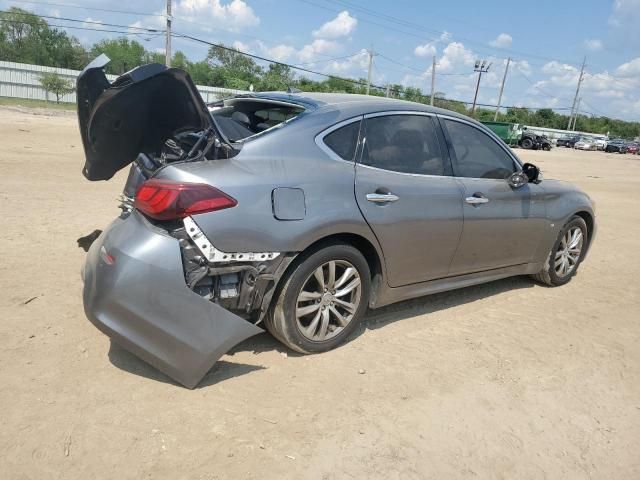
(20, 80)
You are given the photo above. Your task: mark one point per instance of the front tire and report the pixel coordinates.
(527, 143)
(322, 300)
(566, 254)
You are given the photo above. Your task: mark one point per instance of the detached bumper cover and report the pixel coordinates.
(141, 301)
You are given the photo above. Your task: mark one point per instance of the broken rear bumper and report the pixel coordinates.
(135, 292)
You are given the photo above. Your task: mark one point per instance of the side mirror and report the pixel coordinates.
(517, 179)
(532, 172)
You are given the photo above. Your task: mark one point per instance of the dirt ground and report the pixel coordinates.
(508, 380)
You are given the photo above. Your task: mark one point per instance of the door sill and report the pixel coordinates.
(397, 294)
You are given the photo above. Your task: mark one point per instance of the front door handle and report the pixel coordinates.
(382, 197)
(476, 200)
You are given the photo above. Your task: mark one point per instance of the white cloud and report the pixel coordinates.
(318, 47)
(429, 49)
(630, 68)
(233, 15)
(90, 22)
(523, 66)
(241, 46)
(280, 52)
(426, 50)
(501, 41)
(455, 55)
(594, 45)
(357, 64)
(341, 26)
(445, 37)
(561, 74)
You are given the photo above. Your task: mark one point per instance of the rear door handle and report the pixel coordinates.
(382, 197)
(476, 200)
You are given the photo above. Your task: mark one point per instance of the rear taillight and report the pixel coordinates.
(167, 200)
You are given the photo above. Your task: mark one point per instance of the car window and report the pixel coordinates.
(404, 143)
(476, 154)
(344, 141)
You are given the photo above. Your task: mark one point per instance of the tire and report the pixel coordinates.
(527, 143)
(549, 274)
(288, 327)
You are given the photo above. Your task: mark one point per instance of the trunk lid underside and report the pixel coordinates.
(136, 113)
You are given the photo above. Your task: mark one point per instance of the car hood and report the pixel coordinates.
(135, 113)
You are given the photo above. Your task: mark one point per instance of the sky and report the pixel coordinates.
(546, 40)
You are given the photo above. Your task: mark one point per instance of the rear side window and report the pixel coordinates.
(476, 154)
(344, 141)
(404, 143)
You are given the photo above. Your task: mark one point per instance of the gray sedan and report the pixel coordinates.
(296, 212)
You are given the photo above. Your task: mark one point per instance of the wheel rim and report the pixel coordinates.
(568, 254)
(328, 300)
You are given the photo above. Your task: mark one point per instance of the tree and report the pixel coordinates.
(125, 54)
(26, 38)
(54, 83)
(201, 73)
(232, 68)
(277, 77)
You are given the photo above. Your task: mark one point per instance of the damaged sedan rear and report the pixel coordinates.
(297, 212)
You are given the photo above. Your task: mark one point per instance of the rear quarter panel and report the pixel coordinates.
(285, 157)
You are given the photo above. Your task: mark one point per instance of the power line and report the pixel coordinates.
(330, 59)
(76, 28)
(440, 33)
(68, 5)
(224, 47)
(90, 22)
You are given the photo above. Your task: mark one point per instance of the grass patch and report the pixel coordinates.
(25, 102)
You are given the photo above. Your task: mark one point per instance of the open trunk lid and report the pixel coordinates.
(136, 113)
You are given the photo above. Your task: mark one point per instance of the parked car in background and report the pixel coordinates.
(298, 212)
(616, 146)
(633, 148)
(568, 141)
(586, 144)
(601, 142)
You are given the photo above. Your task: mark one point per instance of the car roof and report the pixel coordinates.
(352, 102)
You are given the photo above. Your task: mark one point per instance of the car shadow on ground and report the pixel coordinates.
(223, 370)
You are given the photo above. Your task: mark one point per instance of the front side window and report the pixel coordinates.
(404, 143)
(344, 141)
(476, 154)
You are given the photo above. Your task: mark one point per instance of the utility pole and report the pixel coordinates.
(433, 79)
(504, 79)
(168, 41)
(575, 116)
(388, 89)
(575, 98)
(370, 51)
(480, 67)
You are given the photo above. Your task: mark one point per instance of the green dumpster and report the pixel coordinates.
(510, 133)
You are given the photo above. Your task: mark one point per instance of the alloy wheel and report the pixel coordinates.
(328, 300)
(568, 252)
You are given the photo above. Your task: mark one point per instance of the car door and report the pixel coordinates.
(405, 191)
(502, 225)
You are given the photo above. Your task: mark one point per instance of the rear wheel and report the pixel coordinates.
(322, 300)
(527, 143)
(566, 254)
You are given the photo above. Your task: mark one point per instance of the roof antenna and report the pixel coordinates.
(291, 89)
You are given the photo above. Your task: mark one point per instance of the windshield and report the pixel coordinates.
(242, 117)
